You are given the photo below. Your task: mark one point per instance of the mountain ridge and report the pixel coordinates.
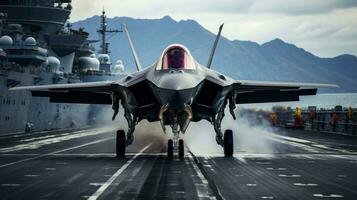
(275, 60)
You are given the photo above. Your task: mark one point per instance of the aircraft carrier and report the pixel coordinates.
(282, 164)
(39, 47)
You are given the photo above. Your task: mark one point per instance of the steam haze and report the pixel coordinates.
(200, 136)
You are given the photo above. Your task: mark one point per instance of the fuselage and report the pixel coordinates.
(177, 89)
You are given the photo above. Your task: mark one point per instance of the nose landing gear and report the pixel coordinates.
(171, 147)
(175, 144)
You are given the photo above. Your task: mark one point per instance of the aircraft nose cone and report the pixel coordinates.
(177, 80)
(177, 88)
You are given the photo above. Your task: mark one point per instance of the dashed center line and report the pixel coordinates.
(306, 184)
(267, 197)
(328, 195)
(61, 163)
(290, 175)
(31, 175)
(10, 185)
(278, 169)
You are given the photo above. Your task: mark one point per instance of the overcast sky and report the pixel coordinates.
(326, 28)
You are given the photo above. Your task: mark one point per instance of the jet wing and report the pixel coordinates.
(264, 92)
(87, 93)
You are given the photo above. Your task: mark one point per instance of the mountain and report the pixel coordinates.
(275, 60)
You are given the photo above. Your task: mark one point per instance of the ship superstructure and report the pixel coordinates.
(107, 70)
(37, 47)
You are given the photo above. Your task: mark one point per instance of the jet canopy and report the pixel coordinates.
(176, 57)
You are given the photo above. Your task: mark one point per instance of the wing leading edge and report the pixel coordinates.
(86, 93)
(265, 92)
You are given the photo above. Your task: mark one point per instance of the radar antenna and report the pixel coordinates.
(105, 34)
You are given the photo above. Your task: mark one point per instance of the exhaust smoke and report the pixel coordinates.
(250, 136)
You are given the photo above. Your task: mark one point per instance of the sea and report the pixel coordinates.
(327, 101)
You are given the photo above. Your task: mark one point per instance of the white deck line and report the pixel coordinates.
(55, 152)
(102, 189)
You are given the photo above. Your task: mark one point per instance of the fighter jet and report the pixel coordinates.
(176, 90)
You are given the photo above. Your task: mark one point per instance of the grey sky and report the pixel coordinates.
(324, 27)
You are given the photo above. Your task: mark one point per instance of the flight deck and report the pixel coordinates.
(82, 164)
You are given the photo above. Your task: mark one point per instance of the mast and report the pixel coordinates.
(103, 31)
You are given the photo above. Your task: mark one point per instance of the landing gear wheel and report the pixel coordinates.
(228, 143)
(170, 148)
(181, 149)
(120, 146)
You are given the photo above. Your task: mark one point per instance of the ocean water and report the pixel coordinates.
(320, 101)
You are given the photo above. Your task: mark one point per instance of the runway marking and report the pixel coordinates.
(276, 169)
(267, 197)
(48, 141)
(201, 188)
(306, 184)
(15, 154)
(61, 163)
(311, 144)
(208, 184)
(55, 152)
(263, 163)
(50, 169)
(10, 185)
(328, 195)
(251, 184)
(101, 190)
(96, 184)
(109, 168)
(293, 143)
(290, 175)
(198, 172)
(342, 176)
(31, 175)
(39, 138)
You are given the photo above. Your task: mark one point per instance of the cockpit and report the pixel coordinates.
(176, 57)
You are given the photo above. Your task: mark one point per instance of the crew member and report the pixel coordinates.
(273, 118)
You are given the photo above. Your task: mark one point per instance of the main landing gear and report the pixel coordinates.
(225, 141)
(120, 144)
(123, 140)
(228, 143)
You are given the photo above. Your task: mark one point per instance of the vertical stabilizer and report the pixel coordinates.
(214, 47)
(136, 58)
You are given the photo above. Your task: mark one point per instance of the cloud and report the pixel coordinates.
(292, 7)
(325, 27)
(188, 7)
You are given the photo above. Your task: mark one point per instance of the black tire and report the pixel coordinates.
(181, 149)
(170, 149)
(228, 143)
(120, 146)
